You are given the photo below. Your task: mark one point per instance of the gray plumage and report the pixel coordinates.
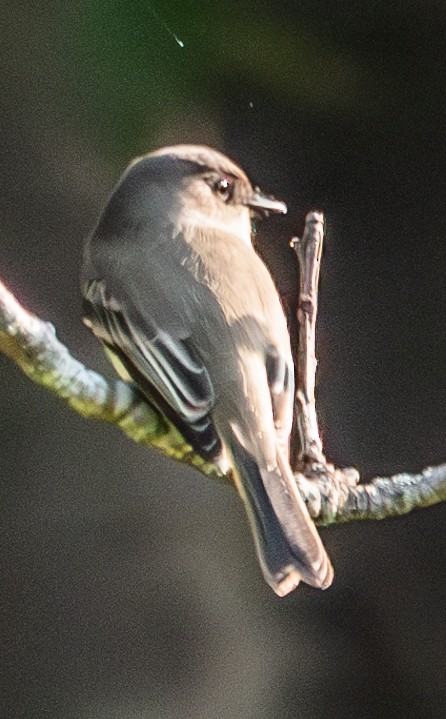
(174, 289)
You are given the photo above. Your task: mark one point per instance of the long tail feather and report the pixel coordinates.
(287, 543)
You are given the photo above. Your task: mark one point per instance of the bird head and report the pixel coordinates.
(209, 191)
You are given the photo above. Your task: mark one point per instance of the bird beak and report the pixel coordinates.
(264, 205)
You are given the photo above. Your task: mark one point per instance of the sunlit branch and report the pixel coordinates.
(332, 495)
(32, 344)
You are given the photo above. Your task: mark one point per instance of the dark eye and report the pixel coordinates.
(224, 188)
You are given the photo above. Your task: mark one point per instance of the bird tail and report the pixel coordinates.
(287, 543)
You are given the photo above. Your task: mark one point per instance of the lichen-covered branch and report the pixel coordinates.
(336, 496)
(333, 495)
(32, 344)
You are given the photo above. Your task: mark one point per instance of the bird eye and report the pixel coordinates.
(224, 188)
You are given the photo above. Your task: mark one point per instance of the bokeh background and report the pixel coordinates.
(129, 587)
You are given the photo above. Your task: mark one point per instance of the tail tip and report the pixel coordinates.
(288, 582)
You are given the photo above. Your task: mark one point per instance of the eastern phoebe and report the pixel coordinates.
(188, 311)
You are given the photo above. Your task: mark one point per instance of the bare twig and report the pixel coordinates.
(309, 251)
(332, 495)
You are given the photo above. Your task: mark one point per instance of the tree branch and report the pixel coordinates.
(32, 344)
(333, 495)
(308, 251)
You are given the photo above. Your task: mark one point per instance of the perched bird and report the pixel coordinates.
(185, 307)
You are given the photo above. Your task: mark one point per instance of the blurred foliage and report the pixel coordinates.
(134, 74)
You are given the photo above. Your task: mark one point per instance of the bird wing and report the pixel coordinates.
(280, 375)
(163, 364)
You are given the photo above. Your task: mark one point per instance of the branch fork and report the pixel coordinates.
(332, 495)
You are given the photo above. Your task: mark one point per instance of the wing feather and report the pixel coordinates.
(163, 366)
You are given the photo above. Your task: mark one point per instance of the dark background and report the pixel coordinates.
(129, 585)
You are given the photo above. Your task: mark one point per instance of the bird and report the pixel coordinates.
(188, 312)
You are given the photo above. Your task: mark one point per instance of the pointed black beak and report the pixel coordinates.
(264, 205)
